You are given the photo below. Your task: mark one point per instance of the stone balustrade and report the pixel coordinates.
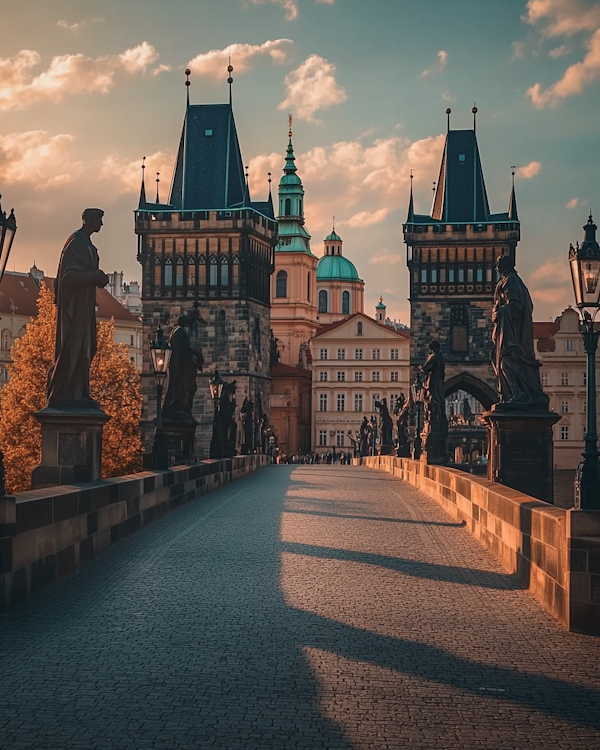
(46, 534)
(555, 553)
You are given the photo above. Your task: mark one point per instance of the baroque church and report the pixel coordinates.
(209, 247)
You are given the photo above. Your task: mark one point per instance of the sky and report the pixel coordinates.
(87, 89)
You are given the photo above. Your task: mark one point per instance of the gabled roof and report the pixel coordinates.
(209, 172)
(545, 329)
(328, 327)
(280, 370)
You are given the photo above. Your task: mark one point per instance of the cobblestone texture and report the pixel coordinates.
(302, 607)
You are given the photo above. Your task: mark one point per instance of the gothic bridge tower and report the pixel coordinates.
(451, 258)
(211, 248)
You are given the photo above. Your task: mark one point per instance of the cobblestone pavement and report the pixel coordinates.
(303, 607)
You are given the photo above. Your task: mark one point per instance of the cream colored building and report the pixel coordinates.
(559, 348)
(356, 361)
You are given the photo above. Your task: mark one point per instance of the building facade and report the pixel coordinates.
(209, 249)
(451, 257)
(340, 291)
(356, 361)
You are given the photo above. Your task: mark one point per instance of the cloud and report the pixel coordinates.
(574, 80)
(290, 6)
(387, 258)
(551, 283)
(125, 174)
(77, 26)
(573, 203)
(36, 158)
(529, 170)
(161, 69)
(441, 64)
(214, 63)
(366, 218)
(559, 51)
(447, 96)
(556, 18)
(517, 51)
(347, 177)
(66, 74)
(312, 87)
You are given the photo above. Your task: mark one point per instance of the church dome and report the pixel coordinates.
(336, 268)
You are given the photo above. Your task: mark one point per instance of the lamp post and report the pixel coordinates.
(8, 229)
(417, 393)
(160, 352)
(216, 389)
(584, 260)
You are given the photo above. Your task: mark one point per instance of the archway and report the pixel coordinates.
(466, 398)
(464, 381)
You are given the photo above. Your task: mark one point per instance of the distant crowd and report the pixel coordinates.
(331, 457)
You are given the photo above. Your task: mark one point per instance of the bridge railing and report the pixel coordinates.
(555, 553)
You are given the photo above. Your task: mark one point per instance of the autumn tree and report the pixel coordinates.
(114, 382)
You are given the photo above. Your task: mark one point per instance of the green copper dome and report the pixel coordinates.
(333, 236)
(336, 268)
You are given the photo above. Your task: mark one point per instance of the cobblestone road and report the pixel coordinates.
(302, 607)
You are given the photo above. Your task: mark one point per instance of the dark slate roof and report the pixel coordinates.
(209, 172)
(264, 207)
(460, 194)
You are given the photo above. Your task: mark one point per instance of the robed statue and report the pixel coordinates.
(364, 436)
(513, 356)
(222, 444)
(387, 427)
(77, 279)
(402, 410)
(435, 429)
(186, 360)
(247, 413)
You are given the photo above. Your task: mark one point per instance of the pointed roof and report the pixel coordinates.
(411, 205)
(142, 202)
(460, 194)
(333, 237)
(380, 306)
(512, 203)
(209, 172)
(290, 170)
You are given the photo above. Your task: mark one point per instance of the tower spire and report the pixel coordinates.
(188, 73)
(230, 79)
(269, 181)
(157, 183)
(448, 113)
(143, 186)
(512, 202)
(411, 205)
(474, 111)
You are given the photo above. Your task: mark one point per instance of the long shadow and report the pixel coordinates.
(487, 579)
(371, 518)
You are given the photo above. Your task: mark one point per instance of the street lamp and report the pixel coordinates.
(160, 352)
(418, 396)
(216, 388)
(8, 229)
(584, 260)
(217, 440)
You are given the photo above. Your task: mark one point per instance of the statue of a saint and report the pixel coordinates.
(75, 286)
(247, 412)
(274, 353)
(513, 357)
(387, 426)
(185, 361)
(364, 437)
(434, 370)
(466, 411)
(403, 406)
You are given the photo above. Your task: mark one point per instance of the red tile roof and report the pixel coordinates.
(326, 327)
(545, 330)
(281, 370)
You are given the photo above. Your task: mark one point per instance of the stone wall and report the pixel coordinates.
(231, 342)
(554, 552)
(46, 534)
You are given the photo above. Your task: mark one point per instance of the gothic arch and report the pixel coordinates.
(464, 381)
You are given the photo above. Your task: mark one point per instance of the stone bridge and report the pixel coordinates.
(380, 606)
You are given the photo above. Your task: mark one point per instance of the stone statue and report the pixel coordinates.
(274, 354)
(75, 286)
(403, 411)
(247, 412)
(186, 360)
(513, 357)
(466, 411)
(364, 433)
(435, 429)
(387, 427)
(224, 433)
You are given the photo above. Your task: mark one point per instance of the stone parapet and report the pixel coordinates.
(555, 553)
(46, 534)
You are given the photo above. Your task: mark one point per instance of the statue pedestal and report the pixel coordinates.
(520, 450)
(181, 436)
(435, 448)
(71, 446)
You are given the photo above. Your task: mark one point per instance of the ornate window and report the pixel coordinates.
(322, 301)
(168, 278)
(191, 271)
(212, 271)
(179, 271)
(345, 303)
(157, 270)
(224, 270)
(281, 284)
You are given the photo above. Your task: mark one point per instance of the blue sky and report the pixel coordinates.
(87, 89)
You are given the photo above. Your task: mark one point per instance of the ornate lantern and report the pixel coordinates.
(160, 351)
(584, 260)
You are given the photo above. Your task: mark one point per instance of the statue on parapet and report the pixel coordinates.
(247, 412)
(364, 436)
(77, 279)
(513, 356)
(186, 361)
(435, 429)
(387, 427)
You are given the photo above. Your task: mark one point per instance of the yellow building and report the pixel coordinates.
(356, 361)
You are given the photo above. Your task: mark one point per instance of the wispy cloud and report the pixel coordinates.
(441, 64)
(573, 203)
(386, 258)
(78, 25)
(66, 75)
(555, 18)
(559, 51)
(125, 174)
(214, 63)
(290, 6)
(529, 170)
(37, 158)
(366, 218)
(311, 87)
(517, 51)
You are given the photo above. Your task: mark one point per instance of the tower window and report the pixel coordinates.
(423, 276)
(479, 275)
(308, 287)
(345, 303)
(168, 271)
(359, 330)
(434, 275)
(288, 207)
(451, 275)
(322, 301)
(281, 284)
(208, 132)
(224, 271)
(179, 272)
(212, 273)
(299, 206)
(462, 158)
(461, 275)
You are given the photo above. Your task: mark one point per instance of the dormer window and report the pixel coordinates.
(462, 158)
(208, 132)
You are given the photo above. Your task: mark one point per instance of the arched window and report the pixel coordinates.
(179, 272)
(168, 271)
(6, 340)
(191, 271)
(288, 207)
(281, 284)
(157, 270)
(359, 328)
(345, 303)
(308, 287)
(299, 206)
(322, 301)
(224, 270)
(212, 272)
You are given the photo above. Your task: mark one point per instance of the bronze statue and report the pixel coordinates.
(387, 427)
(513, 357)
(75, 286)
(186, 360)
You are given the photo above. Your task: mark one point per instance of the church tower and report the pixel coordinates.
(340, 291)
(209, 247)
(451, 256)
(293, 298)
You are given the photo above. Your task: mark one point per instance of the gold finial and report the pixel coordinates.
(290, 119)
(381, 299)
